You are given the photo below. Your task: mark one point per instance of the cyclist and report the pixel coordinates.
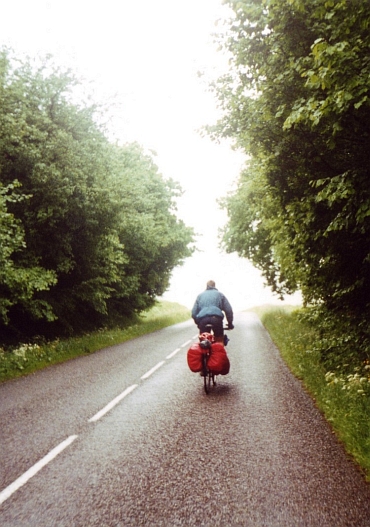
(209, 308)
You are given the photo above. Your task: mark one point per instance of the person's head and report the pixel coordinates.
(211, 284)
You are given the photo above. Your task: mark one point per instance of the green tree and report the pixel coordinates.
(155, 240)
(87, 200)
(18, 284)
(297, 101)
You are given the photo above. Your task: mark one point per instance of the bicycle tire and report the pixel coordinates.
(205, 372)
(209, 380)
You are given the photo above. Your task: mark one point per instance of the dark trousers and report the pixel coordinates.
(217, 325)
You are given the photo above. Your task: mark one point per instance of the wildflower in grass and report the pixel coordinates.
(354, 383)
(26, 349)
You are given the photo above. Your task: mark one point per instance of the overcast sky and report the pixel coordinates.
(147, 54)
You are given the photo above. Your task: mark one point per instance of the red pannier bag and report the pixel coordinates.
(218, 362)
(195, 357)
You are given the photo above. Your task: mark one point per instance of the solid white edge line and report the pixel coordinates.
(149, 373)
(173, 353)
(186, 343)
(13, 487)
(113, 403)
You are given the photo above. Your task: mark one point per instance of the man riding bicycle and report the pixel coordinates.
(209, 308)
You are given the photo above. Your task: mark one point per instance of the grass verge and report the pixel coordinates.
(344, 400)
(27, 358)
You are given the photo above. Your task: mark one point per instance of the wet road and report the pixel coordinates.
(254, 452)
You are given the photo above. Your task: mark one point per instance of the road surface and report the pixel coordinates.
(127, 437)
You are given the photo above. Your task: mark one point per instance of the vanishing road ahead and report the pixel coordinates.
(254, 452)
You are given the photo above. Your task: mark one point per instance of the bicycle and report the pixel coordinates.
(206, 345)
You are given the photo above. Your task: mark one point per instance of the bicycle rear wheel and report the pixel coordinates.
(209, 380)
(205, 373)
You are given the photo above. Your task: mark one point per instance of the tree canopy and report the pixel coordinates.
(88, 228)
(297, 100)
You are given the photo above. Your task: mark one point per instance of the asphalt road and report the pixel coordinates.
(254, 452)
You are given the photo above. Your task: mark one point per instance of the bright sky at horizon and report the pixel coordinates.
(148, 54)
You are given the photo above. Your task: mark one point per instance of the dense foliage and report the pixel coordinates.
(88, 229)
(297, 100)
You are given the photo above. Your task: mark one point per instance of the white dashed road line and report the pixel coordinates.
(8, 491)
(173, 353)
(113, 403)
(149, 373)
(13, 487)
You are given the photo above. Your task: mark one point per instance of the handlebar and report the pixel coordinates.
(210, 326)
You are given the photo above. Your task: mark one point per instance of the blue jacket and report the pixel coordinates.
(212, 303)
